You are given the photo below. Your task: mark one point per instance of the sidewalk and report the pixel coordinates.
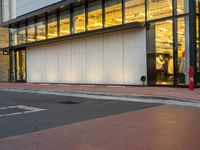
(175, 93)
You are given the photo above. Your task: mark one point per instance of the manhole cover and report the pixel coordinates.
(69, 102)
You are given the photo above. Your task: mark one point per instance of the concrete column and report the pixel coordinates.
(5, 10)
(13, 11)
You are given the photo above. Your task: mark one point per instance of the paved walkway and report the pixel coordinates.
(158, 128)
(177, 93)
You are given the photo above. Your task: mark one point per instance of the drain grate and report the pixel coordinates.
(69, 102)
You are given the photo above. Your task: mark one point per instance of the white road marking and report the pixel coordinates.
(26, 109)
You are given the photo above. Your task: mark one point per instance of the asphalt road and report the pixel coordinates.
(55, 111)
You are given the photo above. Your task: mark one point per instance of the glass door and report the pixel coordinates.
(20, 68)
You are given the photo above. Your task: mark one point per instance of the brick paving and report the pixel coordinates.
(178, 93)
(158, 128)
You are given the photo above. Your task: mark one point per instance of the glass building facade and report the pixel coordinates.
(170, 33)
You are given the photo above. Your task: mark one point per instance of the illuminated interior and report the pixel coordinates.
(164, 52)
(134, 11)
(113, 13)
(182, 68)
(95, 16)
(4, 65)
(21, 35)
(159, 9)
(52, 26)
(41, 30)
(64, 23)
(21, 65)
(182, 6)
(79, 20)
(31, 33)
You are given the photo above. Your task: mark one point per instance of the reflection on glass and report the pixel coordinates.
(182, 66)
(182, 6)
(95, 15)
(52, 26)
(64, 23)
(113, 13)
(159, 9)
(21, 65)
(21, 35)
(160, 53)
(31, 37)
(198, 49)
(134, 11)
(41, 30)
(5, 65)
(4, 37)
(79, 20)
(13, 36)
(197, 6)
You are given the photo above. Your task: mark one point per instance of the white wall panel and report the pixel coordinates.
(134, 56)
(113, 58)
(64, 62)
(52, 51)
(79, 67)
(95, 59)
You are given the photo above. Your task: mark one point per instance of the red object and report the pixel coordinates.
(191, 78)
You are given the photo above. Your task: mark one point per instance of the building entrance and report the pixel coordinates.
(18, 65)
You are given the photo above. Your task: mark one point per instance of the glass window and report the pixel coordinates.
(95, 15)
(31, 37)
(41, 30)
(79, 20)
(198, 49)
(113, 13)
(160, 53)
(52, 26)
(134, 11)
(4, 37)
(21, 35)
(183, 49)
(13, 36)
(159, 9)
(64, 23)
(182, 6)
(197, 6)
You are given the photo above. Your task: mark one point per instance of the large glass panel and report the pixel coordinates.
(21, 65)
(160, 53)
(183, 50)
(64, 23)
(21, 35)
(4, 37)
(159, 9)
(113, 13)
(95, 15)
(79, 20)
(31, 34)
(198, 49)
(4, 67)
(197, 6)
(41, 30)
(134, 11)
(52, 26)
(13, 36)
(182, 6)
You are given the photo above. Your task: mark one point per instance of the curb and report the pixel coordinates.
(110, 96)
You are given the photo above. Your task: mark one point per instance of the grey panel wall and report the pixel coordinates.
(111, 58)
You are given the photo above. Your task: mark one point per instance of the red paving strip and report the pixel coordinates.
(179, 93)
(158, 128)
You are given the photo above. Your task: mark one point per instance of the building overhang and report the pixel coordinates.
(133, 25)
(39, 12)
